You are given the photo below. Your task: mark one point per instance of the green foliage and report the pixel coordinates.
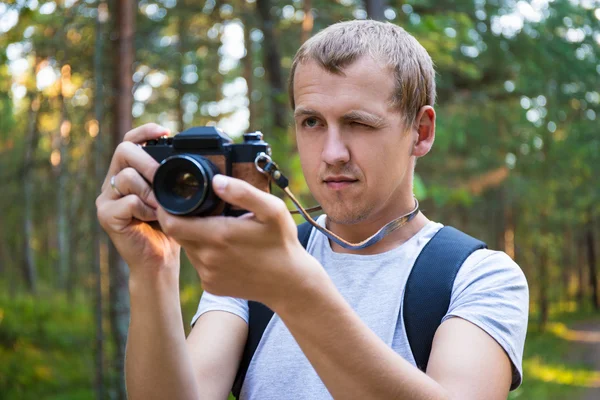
(46, 348)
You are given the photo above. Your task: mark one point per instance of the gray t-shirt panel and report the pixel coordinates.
(490, 291)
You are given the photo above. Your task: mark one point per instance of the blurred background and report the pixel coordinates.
(515, 161)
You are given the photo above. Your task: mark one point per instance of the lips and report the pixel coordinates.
(339, 182)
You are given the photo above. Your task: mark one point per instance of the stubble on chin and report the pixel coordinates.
(344, 214)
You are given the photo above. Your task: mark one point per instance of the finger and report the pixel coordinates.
(126, 155)
(118, 214)
(129, 181)
(206, 230)
(237, 192)
(145, 132)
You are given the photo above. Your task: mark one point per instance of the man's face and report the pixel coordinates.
(354, 148)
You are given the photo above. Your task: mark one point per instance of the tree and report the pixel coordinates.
(119, 293)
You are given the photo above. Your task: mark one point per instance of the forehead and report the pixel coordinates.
(362, 85)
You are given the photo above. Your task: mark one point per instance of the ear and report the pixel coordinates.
(423, 131)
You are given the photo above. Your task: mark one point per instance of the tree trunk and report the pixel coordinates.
(272, 63)
(29, 266)
(591, 255)
(98, 238)
(248, 69)
(567, 265)
(126, 10)
(580, 250)
(62, 198)
(375, 9)
(119, 295)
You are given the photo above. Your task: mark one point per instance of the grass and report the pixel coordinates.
(550, 370)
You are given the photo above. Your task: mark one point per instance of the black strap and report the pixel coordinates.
(260, 315)
(430, 282)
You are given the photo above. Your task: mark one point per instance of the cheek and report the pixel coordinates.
(309, 155)
(384, 165)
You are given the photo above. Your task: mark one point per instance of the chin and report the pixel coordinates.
(344, 216)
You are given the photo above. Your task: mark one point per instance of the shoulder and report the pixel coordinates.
(490, 268)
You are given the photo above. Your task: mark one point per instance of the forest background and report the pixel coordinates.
(514, 163)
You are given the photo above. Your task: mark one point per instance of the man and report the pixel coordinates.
(362, 94)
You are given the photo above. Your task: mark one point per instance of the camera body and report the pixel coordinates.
(189, 160)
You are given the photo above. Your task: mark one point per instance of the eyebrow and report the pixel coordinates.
(354, 115)
(363, 116)
(303, 111)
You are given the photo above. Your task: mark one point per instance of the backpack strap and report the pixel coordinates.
(430, 282)
(259, 317)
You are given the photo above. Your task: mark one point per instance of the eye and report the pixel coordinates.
(310, 122)
(357, 124)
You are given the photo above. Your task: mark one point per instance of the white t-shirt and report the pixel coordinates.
(490, 291)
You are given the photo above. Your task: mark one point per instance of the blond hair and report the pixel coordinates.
(341, 44)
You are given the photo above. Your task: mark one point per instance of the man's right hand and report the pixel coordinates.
(126, 210)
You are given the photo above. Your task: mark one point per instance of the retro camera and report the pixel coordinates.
(188, 161)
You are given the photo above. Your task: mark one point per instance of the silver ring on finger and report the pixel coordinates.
(114, 186)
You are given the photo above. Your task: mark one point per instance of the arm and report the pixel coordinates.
(354, 363)
(349, 358)
(161, 364)
(157, 362)
(216, 344)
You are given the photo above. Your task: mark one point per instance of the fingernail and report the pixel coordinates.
(219, 182)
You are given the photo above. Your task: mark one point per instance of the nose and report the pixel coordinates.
(335, 150)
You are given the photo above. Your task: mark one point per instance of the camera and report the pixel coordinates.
(189, 160)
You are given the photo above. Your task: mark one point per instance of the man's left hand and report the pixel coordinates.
(256, 256)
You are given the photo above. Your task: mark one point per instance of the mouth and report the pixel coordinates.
(339, 182)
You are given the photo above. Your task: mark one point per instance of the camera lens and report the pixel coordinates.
(186, 185)
(182, 185)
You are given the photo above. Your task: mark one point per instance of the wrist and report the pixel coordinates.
(308, 286)
(155, 280)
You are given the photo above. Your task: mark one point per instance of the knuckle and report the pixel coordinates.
(277, 210)
(101, 214)
(122, 149)
(129, 174)
(133, 201)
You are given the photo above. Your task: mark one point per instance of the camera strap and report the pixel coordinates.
(267, 166)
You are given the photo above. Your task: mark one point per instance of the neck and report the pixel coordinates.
(364, 229)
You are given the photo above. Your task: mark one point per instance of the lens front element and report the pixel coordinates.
(182, 185)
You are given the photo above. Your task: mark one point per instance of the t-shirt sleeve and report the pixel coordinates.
(211, 302)
(490, 291)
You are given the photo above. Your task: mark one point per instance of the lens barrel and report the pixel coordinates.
(183, 185)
